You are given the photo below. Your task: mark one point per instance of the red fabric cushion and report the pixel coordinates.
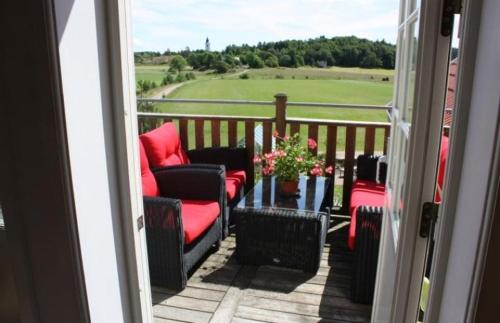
(197, 217)
(443, 156)
(363, 193)
(149, 185)
(235, 179)
(163, 146)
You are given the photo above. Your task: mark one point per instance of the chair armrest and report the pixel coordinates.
(162, 213)
(192, 182)
(165, 242)
(368, 229)
(232, 158)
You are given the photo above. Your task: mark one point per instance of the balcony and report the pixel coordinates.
(222, 290)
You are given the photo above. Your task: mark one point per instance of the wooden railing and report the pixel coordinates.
(341, 140)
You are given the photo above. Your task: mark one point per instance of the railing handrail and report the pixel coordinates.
(340, 123)
(165, 115)
(269, 103)
(338, 105)
(209, 101)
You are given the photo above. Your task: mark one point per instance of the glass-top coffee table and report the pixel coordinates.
(285, 231)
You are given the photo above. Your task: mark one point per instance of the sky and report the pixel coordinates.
(159, 25)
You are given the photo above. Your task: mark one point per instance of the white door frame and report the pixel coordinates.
(473, 169)
(430, 91)
(122, 69)
(421, 169)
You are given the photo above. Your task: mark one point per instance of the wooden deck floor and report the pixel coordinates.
(221, 290)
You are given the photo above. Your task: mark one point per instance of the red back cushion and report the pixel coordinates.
(149, 186)
(163, 146)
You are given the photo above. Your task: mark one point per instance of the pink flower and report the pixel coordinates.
(312, 143)
(316, 171)
(285, 138)
(299, 159)
(279, 153)
(329, 170)
(257, 159)
(276, 134)
(266, 170)
(269, 156)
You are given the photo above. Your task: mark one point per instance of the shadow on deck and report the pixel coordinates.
(221, 290)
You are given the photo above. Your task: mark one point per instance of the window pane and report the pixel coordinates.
(411, 71)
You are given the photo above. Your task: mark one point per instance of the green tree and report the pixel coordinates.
(178, 63)
(221, 67)
(180, 78)
(285, 61)
(371, 60)
(254, 61)
(272, 61)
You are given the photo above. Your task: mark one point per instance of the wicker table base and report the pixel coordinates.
(278, 231)
(281, 237)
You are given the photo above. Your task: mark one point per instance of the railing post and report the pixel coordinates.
(280, 115)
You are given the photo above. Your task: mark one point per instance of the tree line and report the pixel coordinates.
(321, 52)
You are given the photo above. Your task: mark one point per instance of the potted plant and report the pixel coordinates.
(289, 160)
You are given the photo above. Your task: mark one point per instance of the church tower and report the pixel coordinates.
(207, 45)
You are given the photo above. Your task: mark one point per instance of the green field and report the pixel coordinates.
(337, 85)
(151, 73)
(338, 73)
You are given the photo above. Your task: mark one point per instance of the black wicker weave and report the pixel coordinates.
(281, 237)
(368, 227)
(232, 159)
(284, 231)
(170, 260)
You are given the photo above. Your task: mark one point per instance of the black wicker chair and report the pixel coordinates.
(364, 271)
(170, 257)
(368, 221)
(233, 159)
(164, 141)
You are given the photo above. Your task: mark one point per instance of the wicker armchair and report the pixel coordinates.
(183, 218)
(163, 148)
(366, 209)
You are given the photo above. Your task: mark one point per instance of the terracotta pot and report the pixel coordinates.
(288, 188)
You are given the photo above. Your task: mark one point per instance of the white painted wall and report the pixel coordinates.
(87, 100)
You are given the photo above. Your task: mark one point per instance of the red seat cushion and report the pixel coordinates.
(363, 193)
(149, 185)
(443, 156)
(197, 217)
(163, 146)
(235, 179)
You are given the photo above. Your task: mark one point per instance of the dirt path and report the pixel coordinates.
(166, 90)
(238, 73)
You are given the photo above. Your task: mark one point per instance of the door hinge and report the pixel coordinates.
(450, 9)
(140, 223)
(429, 217)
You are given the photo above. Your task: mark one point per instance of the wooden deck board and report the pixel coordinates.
(221, 290)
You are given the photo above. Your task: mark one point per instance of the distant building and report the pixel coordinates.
(207, 45)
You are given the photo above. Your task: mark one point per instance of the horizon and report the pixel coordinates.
(157, 27)
(254, 45)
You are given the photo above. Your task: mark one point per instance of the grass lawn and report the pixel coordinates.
(151, 73)
(339, 73)
(355, 86)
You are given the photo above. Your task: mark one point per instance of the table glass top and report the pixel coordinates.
(265, 194)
